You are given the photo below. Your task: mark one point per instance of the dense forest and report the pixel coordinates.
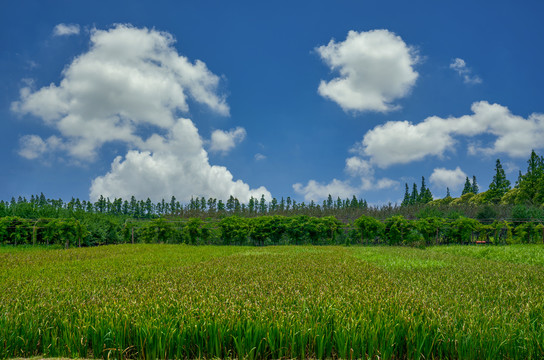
(502, 214)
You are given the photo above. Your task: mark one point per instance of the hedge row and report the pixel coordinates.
(267, 230)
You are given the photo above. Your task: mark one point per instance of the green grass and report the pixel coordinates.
(175, 301)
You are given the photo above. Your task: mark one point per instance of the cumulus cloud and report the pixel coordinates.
(128, 88)
(176, 164)
(260, 157)
(442, 177)
(317, 191)
(375, 67)
(460, 66)
(224, 141)
(361, 171)
(129, 77)
(66, 30)
(401, 142)
(33, 146)
(355, 166)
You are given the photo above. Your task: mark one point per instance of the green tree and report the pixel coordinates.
(499, 186)
(468, 187)
(406, 200)
(425, 194)
(414, 196)
(369, 228)
(529, 184)
(396, 229)
(475, 187)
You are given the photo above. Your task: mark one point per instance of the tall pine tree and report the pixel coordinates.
(528, 184)
(499, 186)
(414, 196)
(425, 195)
(406, 200)
(468, 187)
(475, 188)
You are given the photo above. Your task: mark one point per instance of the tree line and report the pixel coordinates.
(39, 206)
(527, 190)
(270, 230)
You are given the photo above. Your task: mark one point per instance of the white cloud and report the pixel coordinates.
(66, 30)
(224, 141)
(363, 170)
(355, 166)
(385, 183)
(376, 67)
(129, 77)
(175, 164)
(260, 157)
(128, 88)
(33, 146)
(460, 66)
(401, 142)
(359, 170)
(317, 191)
(453, 179)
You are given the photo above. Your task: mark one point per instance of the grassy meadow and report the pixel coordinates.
(179, 301)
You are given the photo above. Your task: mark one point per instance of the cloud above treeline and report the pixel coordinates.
(129, 81)
(133, 87)
(375, 68)
(446, 178)
(402, 142)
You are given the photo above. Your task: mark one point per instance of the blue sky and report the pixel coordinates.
(300, 99)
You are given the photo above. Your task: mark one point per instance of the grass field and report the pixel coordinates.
(176, 301)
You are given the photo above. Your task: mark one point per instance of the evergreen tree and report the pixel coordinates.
(499, 186)
(414, 196)
(354, 203)
(329, 202)
(529, 183)
(230, 203)
(406, 200)
(468, 187)
(220, 205)
(251, 205)
(425, 195)
(475, 188)
(448, 192)
(262, 205)
(273, 205)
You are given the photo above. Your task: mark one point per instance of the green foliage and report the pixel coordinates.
(499, 186)
(396, 229)
(511, 197)
(429, 211)
(529, 233)
(156, 231)
(468, 187)
(369, 228)
(430, 227)
(530, 184)
(487, 214)
(461, 230)
(464, 199)
(234, 230)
